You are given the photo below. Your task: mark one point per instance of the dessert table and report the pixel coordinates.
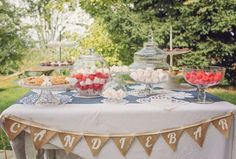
(139, 115)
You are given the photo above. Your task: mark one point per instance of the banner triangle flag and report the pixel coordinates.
(148, 141)
(96, 143)
(13, 128)
(172, 138)
(198, 132)
(123, 143)
(224, 124)
(69, 141)
(40, 136)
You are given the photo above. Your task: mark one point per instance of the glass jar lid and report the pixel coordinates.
(150, 56)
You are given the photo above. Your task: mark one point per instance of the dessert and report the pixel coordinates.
(91, 81)
(202, 77)
(35, 81)
(114, 94)
(58, 80)
(46, 81)
(119, 69)
(149, 75)
(56, 63)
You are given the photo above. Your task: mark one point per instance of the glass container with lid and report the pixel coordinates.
(91, 73)
(150, 56)
(115, 91)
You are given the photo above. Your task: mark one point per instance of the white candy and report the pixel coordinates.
(140, 71)
(155, 80)
(88, 81)
(106, 70)
(125, 69)
(159, 71)
(150, 69)
(147, 73)
(102, 81)
(155, 74)
(134, 75)
(163, 76)
(96, 80)
(82, 83)
(141, 78)
(111, 93)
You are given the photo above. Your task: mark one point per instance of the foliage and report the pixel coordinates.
(99, 39)
(10, 92)
(12, 41)
(207, 27)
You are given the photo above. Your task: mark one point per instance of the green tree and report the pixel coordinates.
(12, 42)
(207, 27)
(99, 39)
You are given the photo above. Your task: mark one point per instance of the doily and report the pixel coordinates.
(163, 101)
(31, 99)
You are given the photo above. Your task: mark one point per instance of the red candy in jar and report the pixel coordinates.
(201, 77)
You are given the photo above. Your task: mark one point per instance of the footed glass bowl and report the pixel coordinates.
(202, 79)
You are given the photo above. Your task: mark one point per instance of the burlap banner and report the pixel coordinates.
(148, 141)
(13, 128)
(172, 138)
(69, 140)
(198, 132)
(96, 143)
(41, 135)
(223, 124)
(123, 143)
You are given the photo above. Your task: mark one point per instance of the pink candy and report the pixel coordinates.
(203, 78)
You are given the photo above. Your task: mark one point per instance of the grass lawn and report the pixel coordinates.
(225, 94)
(10, 92)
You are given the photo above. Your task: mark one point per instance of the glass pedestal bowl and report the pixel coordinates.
(91, 73)
(115, 91)
(203, 79)
(148, 77)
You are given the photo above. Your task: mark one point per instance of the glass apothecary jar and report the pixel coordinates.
(150, 56)
(115, 91)
(91, 73)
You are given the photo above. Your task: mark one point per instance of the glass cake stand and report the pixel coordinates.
(46, 97)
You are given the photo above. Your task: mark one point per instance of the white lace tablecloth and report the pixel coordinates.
(135, 118)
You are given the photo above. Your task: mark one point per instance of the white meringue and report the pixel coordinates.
(88, 81)
(82, 83)
(96, 80)
(102, 81)
(134, 75)
(163, 77)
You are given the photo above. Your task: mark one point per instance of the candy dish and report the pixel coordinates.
(202, 79)
(47, 84)
(111, 93)
(91, 73)
(115, 90)
(90, 82)
(148, 77)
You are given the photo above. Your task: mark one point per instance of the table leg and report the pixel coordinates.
(50, 154)
(40, 154)
(18, 146)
